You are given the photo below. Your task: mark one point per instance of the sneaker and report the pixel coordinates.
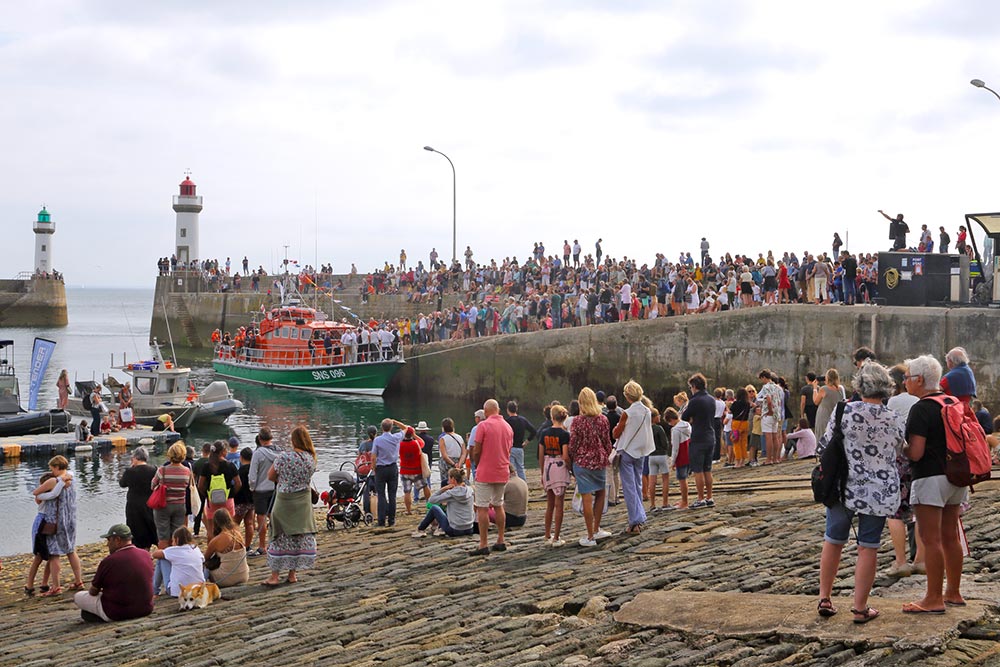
(752, 464)
(437, 532)
(601, 534)
(668, 508)
(698, 504)
(709, 503)
(255, 553)
(919, 568)
(418, 533)
(557, 543)
(587, 542)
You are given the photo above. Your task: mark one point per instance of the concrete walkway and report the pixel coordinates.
(384, 598)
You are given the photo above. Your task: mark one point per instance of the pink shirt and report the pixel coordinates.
(497, 439)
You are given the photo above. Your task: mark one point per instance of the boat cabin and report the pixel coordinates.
(284, 339)
(10, 390)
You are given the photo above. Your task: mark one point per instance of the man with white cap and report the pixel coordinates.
(122, 588)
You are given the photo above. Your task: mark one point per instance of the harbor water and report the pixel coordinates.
(106, 322)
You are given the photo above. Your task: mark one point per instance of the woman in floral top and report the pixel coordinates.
(589, 448)
(292, 544)
(873, 436)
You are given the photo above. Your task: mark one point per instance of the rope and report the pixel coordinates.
(485, 339)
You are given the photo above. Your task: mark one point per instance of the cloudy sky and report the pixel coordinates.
(650, 124)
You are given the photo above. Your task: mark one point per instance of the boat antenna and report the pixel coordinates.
(130, 334)
(166, 320)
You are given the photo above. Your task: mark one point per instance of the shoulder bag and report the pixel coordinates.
(158, 498)
(829, 478)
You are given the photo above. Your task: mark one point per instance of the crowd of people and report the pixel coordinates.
(890, 420)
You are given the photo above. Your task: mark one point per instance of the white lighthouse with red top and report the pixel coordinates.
(187, 205)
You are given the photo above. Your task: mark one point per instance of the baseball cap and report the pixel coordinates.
(118, 530)
(234, 441)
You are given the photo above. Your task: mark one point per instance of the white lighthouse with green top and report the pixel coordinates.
(44, 229)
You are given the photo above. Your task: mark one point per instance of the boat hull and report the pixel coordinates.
(367, 378)
(217, 412)
(35, 423)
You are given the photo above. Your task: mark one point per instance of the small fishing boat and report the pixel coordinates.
(14, 420)
(159, 386)
(296, 347)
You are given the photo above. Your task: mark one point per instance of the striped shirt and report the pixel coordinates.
(176, 480)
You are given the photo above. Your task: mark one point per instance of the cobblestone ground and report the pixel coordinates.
(384, 598)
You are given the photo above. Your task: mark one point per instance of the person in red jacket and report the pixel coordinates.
(410, 467)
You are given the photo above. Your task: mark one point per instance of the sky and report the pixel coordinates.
(758, 125)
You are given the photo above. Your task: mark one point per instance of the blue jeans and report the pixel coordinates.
(850, 293)
(386, 484)
(631, 473)
(436, 513)
(517, 460)
(95, 426)
(161, 575)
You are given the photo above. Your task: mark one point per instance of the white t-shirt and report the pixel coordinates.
(186, 564)
(452, 444)
(626, 293)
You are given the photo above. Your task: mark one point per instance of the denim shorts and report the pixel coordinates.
(682, 472)
(701, 457)
(838, 527)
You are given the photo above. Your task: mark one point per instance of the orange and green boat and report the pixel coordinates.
(276, 352)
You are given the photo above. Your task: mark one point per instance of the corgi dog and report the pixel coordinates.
(198, 595)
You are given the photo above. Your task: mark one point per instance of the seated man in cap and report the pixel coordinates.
(122, 589)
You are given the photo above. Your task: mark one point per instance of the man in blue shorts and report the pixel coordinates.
(700, 413)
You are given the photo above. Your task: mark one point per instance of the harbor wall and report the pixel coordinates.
(729, 348)
(36, 302)
(191, 309)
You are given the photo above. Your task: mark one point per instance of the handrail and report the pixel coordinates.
(318, 358)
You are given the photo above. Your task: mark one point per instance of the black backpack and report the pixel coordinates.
(829, 478)
(87, 403)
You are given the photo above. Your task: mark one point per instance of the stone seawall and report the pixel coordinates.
(33, 303)
(729, 348)
(192, 314)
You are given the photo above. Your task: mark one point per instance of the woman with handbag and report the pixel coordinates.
(292, 544)
(633, 440)
(589, 448)
(46, 496)
(138, 480)
(226, 553)
(61, 540)
(169, 502)
(873, 436)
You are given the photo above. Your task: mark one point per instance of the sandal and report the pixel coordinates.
(44, 589)
(77, 586)
(868, 614)
(52, 592)
(825, 608)
(29, 592)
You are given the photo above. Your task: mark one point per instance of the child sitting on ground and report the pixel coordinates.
(183, 562)
(457, 517)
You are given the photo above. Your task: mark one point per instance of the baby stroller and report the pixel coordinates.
(345, 497)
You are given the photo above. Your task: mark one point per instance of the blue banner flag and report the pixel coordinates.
(41, 353)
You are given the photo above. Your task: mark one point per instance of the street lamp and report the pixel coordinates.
(454, 218)
(978, 83)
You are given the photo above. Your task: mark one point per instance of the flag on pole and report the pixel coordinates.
(41, 353)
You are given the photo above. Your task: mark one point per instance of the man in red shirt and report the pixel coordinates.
(491, 454)
(123, 586)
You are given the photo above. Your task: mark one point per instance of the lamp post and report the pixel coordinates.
(995, 303)
(454, 218)
(978, 83)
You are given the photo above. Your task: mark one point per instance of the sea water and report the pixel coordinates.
(106, 324)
